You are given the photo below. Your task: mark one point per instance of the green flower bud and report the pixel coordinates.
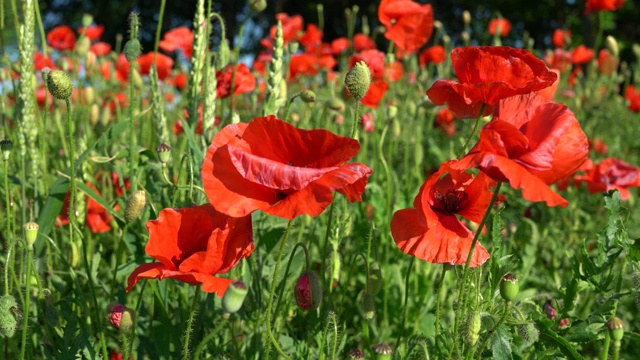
(335, 104)
(87, 19)
(224, 52)
(164, 153)
(293, 47)
(31, 233)
(8, 321)
(392, 111)
(509, 287)
(358, 80)
(529, 333)
(308, 96)
(74, 255)
(5, 146)
(82, 46)
(135, 206)
(234, 297)
(466, 17)
(89, 94)
(59, 84)
(257, 6)
(616, 328)
(472, 327)
(374, 282)
(367, 306)
(383, 351)
(94, 114)
(612, 46)
(132, 50)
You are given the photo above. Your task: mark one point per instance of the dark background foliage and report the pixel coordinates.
(538, 18)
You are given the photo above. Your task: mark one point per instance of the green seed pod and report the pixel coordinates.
(234, 297)
(257, 6)
(472, 327)
(367, 306)
(616, 328)
(8, 322)
(382, 351)
(132, 50)
(59, 84)
(135, 206)
(374, 282)
(6, 146)
(308, 96)
(358, 80)
(164, 153)
(509, 287)
(31, 233)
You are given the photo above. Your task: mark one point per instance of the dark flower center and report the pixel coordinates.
(449, 203)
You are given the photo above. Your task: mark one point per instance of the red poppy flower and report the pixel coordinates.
(444, 120)
(101, 48)
(244, 80)
(93, 33)
(339, 45)
(272, 166)
(487, 75)
(97, 218)
(163, 64)
(40, 61)
(179, 38)
(409, 24)
(559, 59)
(291, 27)
(376, 92)
(362, 42)
(633, 97)
(303, 64)
(393, 71)
(607, 63)
(312, 38)
(373, 58)
(600, 5)
(194, 244)
(434, 54)
(598, 146)
(581, 55)
(61, 38)
(610, 174)
(531, 143)
(561, 38)
(180, 81)
(178, 128)
(503, 24)
(432, 232)
(367, 123)
(550, 92)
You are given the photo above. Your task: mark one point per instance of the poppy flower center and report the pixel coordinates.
(449, 203)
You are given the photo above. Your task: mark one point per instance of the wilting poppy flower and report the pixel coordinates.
(178, 38)
(163, 64)
(501, 24)
(531, 143)
(561, 38)
(610, 174)
(244, 80)
(488, 74)
(291, 27)
(101, 48)
(607, 63)
(432, 232)
(409, 24)
(633, 97)
(193, 245)
(444, 120)
(272, 166)
(61, 38)
(362, 42)
(93, 33)
(581, 55)
(376, 92)
(600, 5)
(434, 54)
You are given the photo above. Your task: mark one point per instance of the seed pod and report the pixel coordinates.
(358, 80)
(355, 354)
(308, 290)
(31, 233)
(616, 328)
(509, 287)
(6, 146)
(382, 351)
(164, 153)
(234, 297)
(135, 205)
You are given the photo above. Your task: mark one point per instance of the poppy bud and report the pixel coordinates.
(616, 328)
(164, 152)
(465, 37)
(82, 46)
(358, 80)
(466, 17)
(5, 146)
(612, 46)
(89, 94)
(374, 281)
(355, 354)
(564, 323)
(74, 255)
(223, 54)
(59, 84)
(335, 104)
(87, 19)
(105, 117)
(257, 6)
(509, 287)
(234, 297)
(308, 290)
(132, 50)
(120, 316)
(8, 322)
(383, 351)
(293, 47)
(550, 310)
(528, 332)
(31, 233)
(472, 327)
(94, 114)
(308, 96)
(135, 205)
(392, 111)
(367, 306)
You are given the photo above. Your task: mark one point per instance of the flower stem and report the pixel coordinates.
(7, 264)
(354, 125)
(604, 355)
(27, 302)
(208, 338)
(438, 292)
(272, 293)
(406, 301)
(473, 131)
(286, 270)
(192, 315)
(507, 304)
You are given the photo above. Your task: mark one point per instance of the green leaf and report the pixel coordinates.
(94, 195)
(500, 345)
(552, 338)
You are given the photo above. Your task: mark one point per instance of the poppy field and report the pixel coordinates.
(400, 192)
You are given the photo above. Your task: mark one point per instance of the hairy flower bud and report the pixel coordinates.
(132, 50)
(472, 327)
(8, 321)
(82, 46)
(374, 281)
(509, 287)
(308, 290)
(466, 17)
(120, 316)
(135, 205)
(335, 104)
(367, 306)
(234, 297)
(550, 310)
(358, 80)
(59, 84)
(257, 6)
(612, 46)
(308, 96)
